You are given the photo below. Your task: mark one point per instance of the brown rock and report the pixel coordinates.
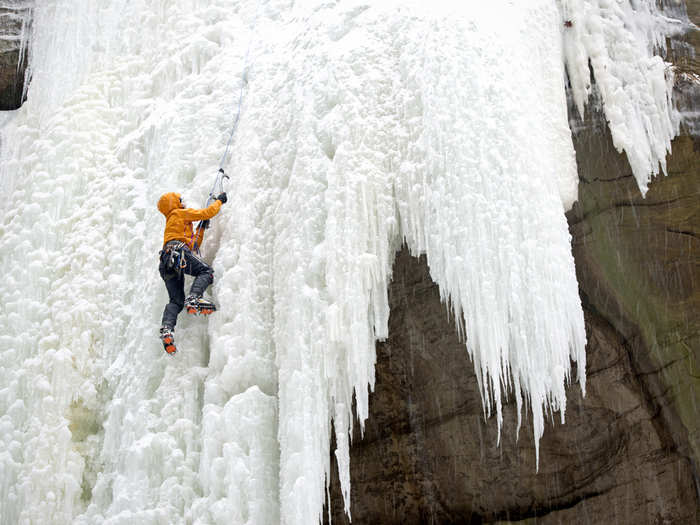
(629, 451)
(429, 456)
(14, 17)
(638, 265)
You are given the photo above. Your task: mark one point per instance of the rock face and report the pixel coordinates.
(13, 24)
(428, 455)
(630, 450)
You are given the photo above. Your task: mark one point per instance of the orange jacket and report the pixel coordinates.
(178, 220)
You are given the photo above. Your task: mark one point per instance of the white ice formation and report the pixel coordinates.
(618, 40)
(365, 124)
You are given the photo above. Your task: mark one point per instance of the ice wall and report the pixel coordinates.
(363, 126)
(619, 42)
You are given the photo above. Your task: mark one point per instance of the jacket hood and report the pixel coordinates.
(168, 202)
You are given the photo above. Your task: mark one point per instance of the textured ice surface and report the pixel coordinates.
(618, 39)
(363, 126)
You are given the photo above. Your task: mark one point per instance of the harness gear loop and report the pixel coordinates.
(176, 258)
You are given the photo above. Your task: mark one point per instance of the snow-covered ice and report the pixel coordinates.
(364, 125)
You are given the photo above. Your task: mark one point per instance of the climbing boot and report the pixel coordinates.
(166, 335)
(197, 305)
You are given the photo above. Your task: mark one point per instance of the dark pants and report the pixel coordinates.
(175, 282)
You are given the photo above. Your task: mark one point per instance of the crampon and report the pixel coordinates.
(168, 339)
(197, 305)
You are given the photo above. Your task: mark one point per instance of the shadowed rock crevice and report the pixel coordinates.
(14, 23)
(430, 456)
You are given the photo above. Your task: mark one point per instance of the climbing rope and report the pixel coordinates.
(244, 83)
(218, 186)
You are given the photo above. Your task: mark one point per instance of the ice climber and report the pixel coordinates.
(178, 257)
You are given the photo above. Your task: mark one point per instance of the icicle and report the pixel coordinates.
(621, 41)
(365, 126)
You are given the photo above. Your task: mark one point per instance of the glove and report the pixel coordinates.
(204, 224)
(222, 197)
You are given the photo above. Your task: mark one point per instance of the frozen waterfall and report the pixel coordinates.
(364, 125)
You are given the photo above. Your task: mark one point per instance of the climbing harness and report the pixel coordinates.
(175, 257)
